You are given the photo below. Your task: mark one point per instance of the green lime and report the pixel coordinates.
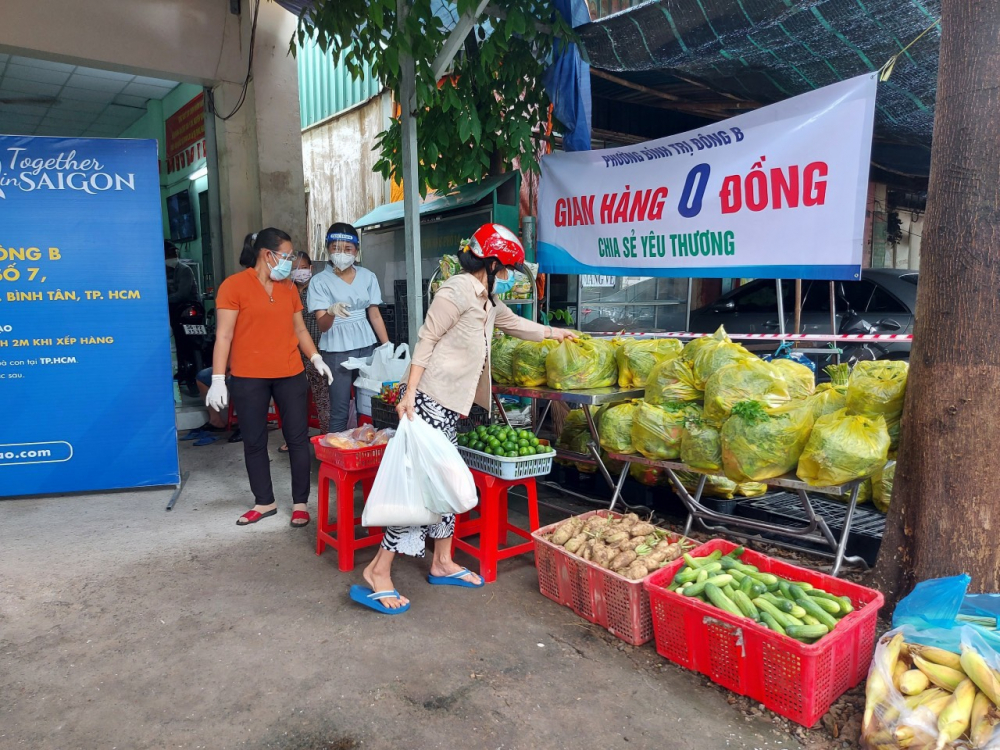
(525, 451)
(533, 442)
(523, 443)
(512, 454)
(493, 442)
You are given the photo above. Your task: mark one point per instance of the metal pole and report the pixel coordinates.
(687, 311)
(411, 187)
(798, 305)
(214, 197)
(833, 308)
(781, 308)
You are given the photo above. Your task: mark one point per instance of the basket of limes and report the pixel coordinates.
(506, 452)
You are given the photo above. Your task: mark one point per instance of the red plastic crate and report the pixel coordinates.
(797, 680)
(353, 460)
(596, 594)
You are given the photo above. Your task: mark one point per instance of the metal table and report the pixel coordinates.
(815, 529)
(585, 400)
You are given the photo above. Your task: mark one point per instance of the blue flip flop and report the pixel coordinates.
(455, 579)
(372, 600)
(195, 434)
(206, 439)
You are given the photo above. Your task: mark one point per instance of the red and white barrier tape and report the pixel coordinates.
(866, 337)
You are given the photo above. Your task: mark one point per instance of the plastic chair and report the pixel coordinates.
(340, 533)
(492, 523)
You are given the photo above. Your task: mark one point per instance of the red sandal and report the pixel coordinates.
(299, 515)
(253, 516)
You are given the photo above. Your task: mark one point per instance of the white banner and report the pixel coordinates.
(779, 192)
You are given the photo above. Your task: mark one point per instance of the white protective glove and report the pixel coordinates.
(322, 368)
(218, 395)
(339, 310)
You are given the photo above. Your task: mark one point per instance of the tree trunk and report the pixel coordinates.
(945, 512)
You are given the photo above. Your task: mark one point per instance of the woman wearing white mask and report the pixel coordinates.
(260, 333)
(345, 299)
(301, 275)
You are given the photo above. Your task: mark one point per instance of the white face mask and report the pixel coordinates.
(342, 261)
(173, 262)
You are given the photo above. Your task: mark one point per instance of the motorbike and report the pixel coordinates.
(192, 330)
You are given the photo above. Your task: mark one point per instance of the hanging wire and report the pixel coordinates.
(241, 100)
(886, 70)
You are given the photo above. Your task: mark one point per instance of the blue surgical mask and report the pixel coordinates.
(281, 271)
(502, 286)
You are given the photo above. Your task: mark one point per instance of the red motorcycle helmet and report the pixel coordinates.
(496, 241)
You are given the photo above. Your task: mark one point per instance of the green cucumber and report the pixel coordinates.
(765, 606)
(738, 575)
(746, 606)
(832, 607)
(686, 575)
(766, 578)
(845, 605)
(769, 620)
(728, 590)
(696, 589)
(720, 600)
(797, 611)
(810, 620)
(702, 576)
(811, 607)
(780, 602)
(736, 553)
(783, 588)
(746, 585)
(807, 633)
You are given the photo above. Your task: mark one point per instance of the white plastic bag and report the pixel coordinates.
(397, 495)
(446, 481)
(386, 365)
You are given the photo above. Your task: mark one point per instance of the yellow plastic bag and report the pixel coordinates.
(701, 446)
(670, 381)
(751, 489)
(528, 363)
(582, 364)
(746, 380)
(843, 447)
(719, 487)
(647, 475)
(878, 389)
(800, 379)
(637, 358)
(615, 429)
(758, 444)
(502, 358)
(710, 354)
(657, 430)
(882, 486)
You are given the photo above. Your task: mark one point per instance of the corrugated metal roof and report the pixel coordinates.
(464, 195)
(326, 87)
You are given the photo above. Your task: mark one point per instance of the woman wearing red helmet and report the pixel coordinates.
(449, 372)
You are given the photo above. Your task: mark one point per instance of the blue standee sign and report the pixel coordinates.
(85, 370)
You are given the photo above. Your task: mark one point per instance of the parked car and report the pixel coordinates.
(882, 301)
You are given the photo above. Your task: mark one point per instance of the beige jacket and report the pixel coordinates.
(453, 343)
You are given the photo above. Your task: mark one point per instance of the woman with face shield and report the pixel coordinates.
(260, 334)
(449, 372)
(345, 300)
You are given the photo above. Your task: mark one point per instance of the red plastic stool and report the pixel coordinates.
(492, 524)
(344, 540)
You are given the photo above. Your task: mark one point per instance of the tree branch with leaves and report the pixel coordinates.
(481, 116)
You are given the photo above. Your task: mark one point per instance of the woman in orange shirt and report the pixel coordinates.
(260, 332)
